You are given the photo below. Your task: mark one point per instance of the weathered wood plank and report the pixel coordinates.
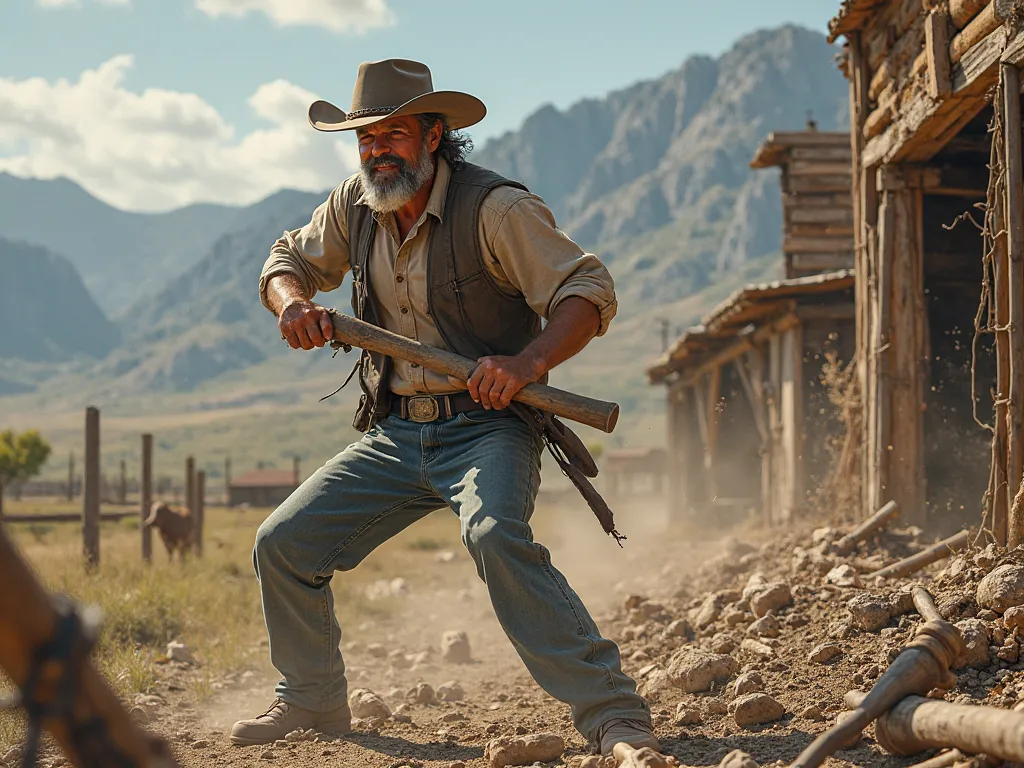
(91, 489)
(1001, 494)
(980, 27)
(1015, 253)
(823, 244)
(822, 262)
(821, 154)
(832, 215)
(940, 83)
(792, 408)
(812, 184)
(962, 11)
(814, 168)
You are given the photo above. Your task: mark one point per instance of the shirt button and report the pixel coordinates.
(405, 310)
(400, 279)
(415, 365)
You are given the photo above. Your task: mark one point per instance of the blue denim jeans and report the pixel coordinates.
(485, 466)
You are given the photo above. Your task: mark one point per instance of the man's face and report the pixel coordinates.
(396, 160)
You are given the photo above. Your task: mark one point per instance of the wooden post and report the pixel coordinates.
(190, 486)
(296, 476)
(91, 490)
(791, 396)
(936, 34)
(1000, 494)
(122, 491)
(200, 513)
(778, 472)
(1015, 248)
(146, 492)
(227, 481)
(714, 392)
(679, 457)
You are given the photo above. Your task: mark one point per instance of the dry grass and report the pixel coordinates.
(211, 604)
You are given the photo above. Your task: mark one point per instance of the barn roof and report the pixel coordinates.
(852, 15)
(774, 149)
(265, 478)
(743, 310)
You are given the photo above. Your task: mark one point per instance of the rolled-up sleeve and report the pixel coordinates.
(531, 254)
(316, 254)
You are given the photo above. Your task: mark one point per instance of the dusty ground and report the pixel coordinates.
(663, 575)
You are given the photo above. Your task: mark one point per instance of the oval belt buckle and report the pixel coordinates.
(423, 408)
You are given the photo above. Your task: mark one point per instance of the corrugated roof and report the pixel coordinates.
(265, 478)
(773, 149)
(853, 14)
(744, 308)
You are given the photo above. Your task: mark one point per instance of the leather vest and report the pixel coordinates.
(473, 315)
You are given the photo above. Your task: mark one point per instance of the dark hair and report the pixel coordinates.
(454, 145)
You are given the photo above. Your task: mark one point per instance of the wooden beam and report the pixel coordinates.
(936, 28)
(91, 489)
(981, 26)
(821, 244)
(146, 492)
(730, 353)
(843, 311)
(962, 11)
(755, 362)
(792, 412)
(821, 262)
(755, 405)
(1015, 253)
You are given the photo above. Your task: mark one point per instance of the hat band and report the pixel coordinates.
(370, 112)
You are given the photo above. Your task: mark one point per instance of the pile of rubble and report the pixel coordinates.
(772, 637)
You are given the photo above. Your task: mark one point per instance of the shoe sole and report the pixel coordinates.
(242, 741)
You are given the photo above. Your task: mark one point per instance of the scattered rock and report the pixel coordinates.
(268, 754)
(844, 576)
(987, 557)
(447, 556)
(450, 691)
(455, 648)
(679, 628)
(524, 750)
(854, 738)
(367, 704)
(421, 694)
(755, 709)
(1014, 618)
(178, 651)
(1003, 588)
(722, 643)
(868, 612)
(710, 610)
(139, 715)
(813, 712)
(738, 759)
(694, 670)
(687, 716)
(824, 653)
(735, 616)
(748, 682)
(377, 650)
(758, 649)
(975, 635)
(384, 588)
(200, 744)
(633, 602)
(766, 626)
(771, 597)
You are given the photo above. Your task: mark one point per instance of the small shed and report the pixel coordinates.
(262, 487)
(633, 471)
(935, 114)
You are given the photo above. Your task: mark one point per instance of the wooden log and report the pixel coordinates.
(819, 184)
(962, 11)
(1014, 213)
(922, 665)
(821, 154)
(586, 410)
(831, 215)
(146, 492)
(940, 82)
(893, 69)
(917, 724)
(875, 523)
(922, 559)
(91, 489)
(28, 620)
(821, 262)
(879, 120)
(818, 168)
(944, 760)
(821, 244)
(987, 21)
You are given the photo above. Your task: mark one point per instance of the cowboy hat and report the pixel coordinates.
(392, 88)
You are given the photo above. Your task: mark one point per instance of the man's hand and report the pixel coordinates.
(496, 380)
(305, 324)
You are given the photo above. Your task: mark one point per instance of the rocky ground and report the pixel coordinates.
(743, 646)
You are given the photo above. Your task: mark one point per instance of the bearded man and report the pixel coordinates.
(456, 257)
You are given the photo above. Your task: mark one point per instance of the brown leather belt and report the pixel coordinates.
(427, 408)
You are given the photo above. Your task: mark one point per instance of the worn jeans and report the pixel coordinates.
(485, 465)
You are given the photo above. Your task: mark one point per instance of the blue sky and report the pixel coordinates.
(227, 78)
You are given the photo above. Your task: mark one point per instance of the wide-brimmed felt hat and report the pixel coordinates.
(392, 88)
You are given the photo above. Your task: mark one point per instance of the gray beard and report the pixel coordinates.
(391, 194)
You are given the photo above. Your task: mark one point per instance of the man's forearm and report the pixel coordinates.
(570, 328)
(283, 290)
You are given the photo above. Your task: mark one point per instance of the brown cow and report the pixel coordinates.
(175, 528)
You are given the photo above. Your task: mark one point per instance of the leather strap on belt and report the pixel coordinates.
(426, 408)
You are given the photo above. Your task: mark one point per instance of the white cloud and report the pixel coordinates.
(160, 149)
(337, 15)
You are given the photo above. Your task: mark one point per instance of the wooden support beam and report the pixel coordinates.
(940, 83)
(146, 492)
(844, 311)
(756, 366)
(91, 489)
(792, 412)
(679, 453)
(1015, 253)
(200, 514)
(760, 420)
(981, 26)
(821, 262)
(962, 11)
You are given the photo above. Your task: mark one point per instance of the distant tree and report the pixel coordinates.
(21, 458)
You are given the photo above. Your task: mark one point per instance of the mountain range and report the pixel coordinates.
(654, 178)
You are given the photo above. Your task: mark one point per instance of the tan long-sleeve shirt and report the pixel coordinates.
(523, 250)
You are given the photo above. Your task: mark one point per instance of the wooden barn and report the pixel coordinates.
(263, 487)
(744, 387)
(938, 210)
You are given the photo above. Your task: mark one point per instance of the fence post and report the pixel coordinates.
(91, 491)
(146, 492)
(227, 482)
(190, 488)
(200, 513)
(71, 475)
